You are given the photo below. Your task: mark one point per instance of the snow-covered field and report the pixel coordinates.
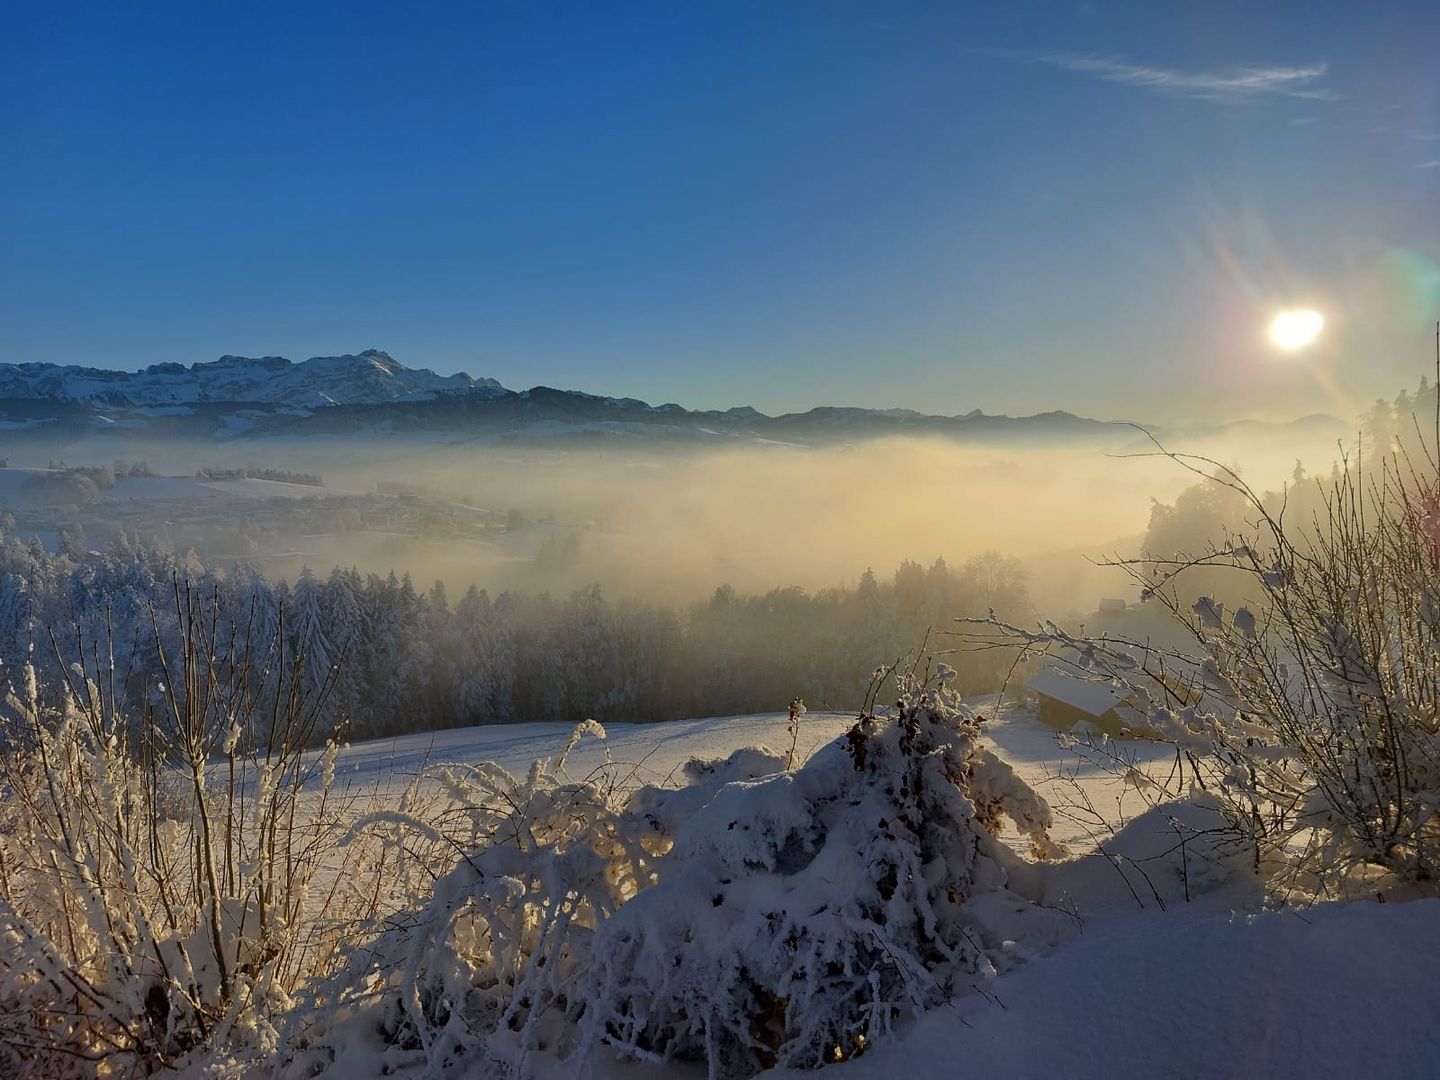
(1209, 988)
(654, 753)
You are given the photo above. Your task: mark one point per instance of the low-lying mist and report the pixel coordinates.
(762, 517)
(672, 521)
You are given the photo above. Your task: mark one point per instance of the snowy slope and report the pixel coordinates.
(1342, 990)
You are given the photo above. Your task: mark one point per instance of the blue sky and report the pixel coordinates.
(1017, 207)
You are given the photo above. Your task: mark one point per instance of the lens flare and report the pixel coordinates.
(1411, 288)
(1294, 330)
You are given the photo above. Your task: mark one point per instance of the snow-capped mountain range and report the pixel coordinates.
(368, 378)
(372, 394)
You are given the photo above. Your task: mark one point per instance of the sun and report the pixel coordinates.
(1294, 330)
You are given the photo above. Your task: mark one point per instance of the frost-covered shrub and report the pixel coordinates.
(484, 971)
(1312, 713)
(167, 881)
(752, 916)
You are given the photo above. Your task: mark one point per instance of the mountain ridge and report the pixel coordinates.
(368, 377)
(371, 392)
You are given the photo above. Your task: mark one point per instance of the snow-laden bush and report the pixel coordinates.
(168, 881)
(484, 970)
(752, 916)
(1312, 713)
(800, 915)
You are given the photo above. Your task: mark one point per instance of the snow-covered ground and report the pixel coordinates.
(653, 754)
(1198, 989)
(1343, 990)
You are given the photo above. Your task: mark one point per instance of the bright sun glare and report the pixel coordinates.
(1293, 330)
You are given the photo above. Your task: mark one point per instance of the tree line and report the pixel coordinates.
(390, 658)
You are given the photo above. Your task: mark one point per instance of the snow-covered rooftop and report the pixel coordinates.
(1089, 696)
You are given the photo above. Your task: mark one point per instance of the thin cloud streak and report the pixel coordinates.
(1233, 85)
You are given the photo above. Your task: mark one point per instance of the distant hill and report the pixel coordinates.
(546, 414)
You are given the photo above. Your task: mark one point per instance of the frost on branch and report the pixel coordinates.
(754, 916)
(1309, 713)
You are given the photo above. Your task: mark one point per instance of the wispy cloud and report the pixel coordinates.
(1429, 165)
(1232, 85)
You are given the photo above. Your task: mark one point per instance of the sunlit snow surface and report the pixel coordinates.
(652, 751)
